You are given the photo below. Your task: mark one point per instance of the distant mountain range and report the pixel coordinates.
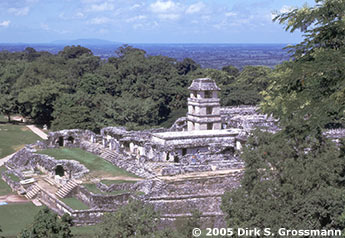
(93, 42)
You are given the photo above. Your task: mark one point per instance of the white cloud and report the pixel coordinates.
(79, 15)
(19, 11)
(135, 6)
(169, 16)
(103, 31)
(162, 7)
(195, 8)
(286, 9)
(99, 20)
(136, 18)
(230, 14)
(145, 25)
(45, 27)
(206, 17)
(5, 23)
(101, 7)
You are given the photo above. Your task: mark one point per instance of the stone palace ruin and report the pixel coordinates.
(188, 166)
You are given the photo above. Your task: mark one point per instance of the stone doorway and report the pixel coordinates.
(60, 141)
(176, 159)
(59, 170)
(70, 139)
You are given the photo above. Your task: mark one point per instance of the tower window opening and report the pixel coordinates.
(208, 94)
(184, 151)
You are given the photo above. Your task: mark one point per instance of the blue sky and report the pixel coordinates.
(151, 21)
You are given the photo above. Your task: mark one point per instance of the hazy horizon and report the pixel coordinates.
(152, 43)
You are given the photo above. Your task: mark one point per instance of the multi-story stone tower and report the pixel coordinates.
(203, 105)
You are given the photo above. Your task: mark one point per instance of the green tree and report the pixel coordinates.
(288, 182)
(48, 225)
(8, 105)
(295, 178)
(76, 111)
(133, 220)
(185, 226)
(37, 101)
(9, 74)
(165, 233)
(186, 66)
(311, 88)
(322, 24)
(247, 86)
(72, 52)
(232, 70)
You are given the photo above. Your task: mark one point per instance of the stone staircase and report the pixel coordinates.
(34, 189)
(159, 184)
(50, 181)
(66, 189)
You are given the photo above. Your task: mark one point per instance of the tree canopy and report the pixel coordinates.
(75, 89)
(46, 224)
(295, 178)
(311, 86)
(133, 220)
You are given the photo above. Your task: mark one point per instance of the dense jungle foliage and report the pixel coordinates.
(75, 89)
(294, 179)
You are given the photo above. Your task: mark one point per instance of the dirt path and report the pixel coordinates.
(5, 159)
(13, 198)
(38, 131)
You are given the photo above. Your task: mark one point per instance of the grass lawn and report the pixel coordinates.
(15, 217)
(4, 188)
(14, 137)
(97, 166)
(75, 203)
(91, 187)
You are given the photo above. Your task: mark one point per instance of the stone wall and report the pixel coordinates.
(68, 138)
(244, 117)
(176, 199)
(26, 159)
(247, 118)
(100, 201)
(80, 217)
(15, 186)
(117, 187)
(203, 163)
(212, 184)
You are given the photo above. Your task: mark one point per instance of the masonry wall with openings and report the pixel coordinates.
(204, 105)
